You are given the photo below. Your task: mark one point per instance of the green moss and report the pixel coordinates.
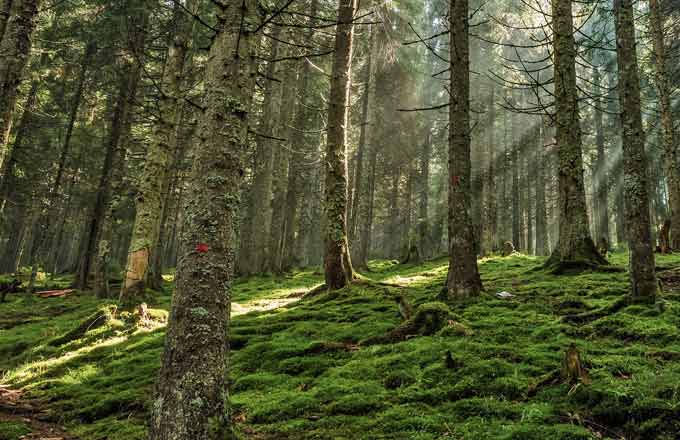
(13, 430)
(299, 372)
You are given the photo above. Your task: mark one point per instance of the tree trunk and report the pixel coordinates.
(5, 10)
(361, 148)
(664, 91)
(641, 260)
(542, 245)
(254, 252)
(490, 235)
(424, 195)
(278, 222)
(463, 278)
(601, 178)
(160, 158)
(15, 48)
(93, 224)
(574, 243)
(514, 163)
(337, 264)
(307, 164)
(17, 155)
(192, 395)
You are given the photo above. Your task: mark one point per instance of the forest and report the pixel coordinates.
(339, 219)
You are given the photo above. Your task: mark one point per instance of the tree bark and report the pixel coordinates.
(255, 249)
(15, 49)
(278, 223)
(463, 277)
(574, 243)
(490, 235)
(638, 228)
(160, 157)
(601, 177)
(664, 89)
(542, 244)
(337, 263)
(192, 399)
(5, 10)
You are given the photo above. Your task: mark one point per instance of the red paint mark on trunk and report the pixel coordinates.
(455, 180)
(202, 248)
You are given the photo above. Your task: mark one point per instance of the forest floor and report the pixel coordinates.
(300, 369)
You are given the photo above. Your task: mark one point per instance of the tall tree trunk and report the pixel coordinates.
(361, 148)
(15, 49)
(309, 160)
(254, 252)
(5, 10)
(490, 235)
(664, 91)
(196, 343)
(278, 222)
(93, 224)
(574, 242)
(160, 158)
(542, 244)
(337, 264)
(641, 260)
(424, 195)
(17, 154)
(114, 197)
(514, 163)
(463, 278)
(367, 208)
(531, 182)
(601, 177)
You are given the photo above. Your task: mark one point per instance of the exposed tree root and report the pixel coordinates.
(428, 319)
(95, 320)
(594, 315)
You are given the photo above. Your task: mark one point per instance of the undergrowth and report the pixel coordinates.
(302, 372)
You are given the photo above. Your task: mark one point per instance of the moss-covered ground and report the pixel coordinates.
(300, 371)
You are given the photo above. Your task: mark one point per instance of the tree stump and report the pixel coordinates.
(508, 249)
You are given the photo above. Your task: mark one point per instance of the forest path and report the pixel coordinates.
(26, 419)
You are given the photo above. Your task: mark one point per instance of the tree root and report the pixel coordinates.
(428, 319)
(587, 317)
(95, 320)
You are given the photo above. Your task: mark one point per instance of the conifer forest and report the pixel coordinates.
(339, 219)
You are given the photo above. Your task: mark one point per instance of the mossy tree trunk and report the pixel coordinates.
(15, 49)
(149, 201)
(5, 9)
(490, 235)
(601, 175)
(514, 164)
(278, 222)
(424, 194)
(574, 242)
(641, 260)
(192, 399)
(337, 263)
(359, 176)
(463, 277)
(254, 247)
(542, 245)
(19, 153)
(664, 91)
(119, 138)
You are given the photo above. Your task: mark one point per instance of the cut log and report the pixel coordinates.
(54, 293)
